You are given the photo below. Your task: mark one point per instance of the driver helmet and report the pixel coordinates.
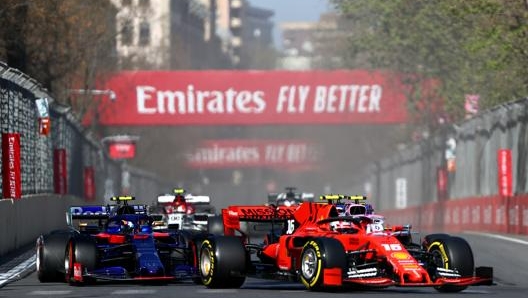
(127, 226)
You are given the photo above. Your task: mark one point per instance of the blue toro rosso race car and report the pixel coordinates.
(115, 242)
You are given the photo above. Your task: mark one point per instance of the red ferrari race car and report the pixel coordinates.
(311, 243)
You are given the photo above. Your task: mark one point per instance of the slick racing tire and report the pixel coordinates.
(223, 262)
(80, 250)
(428, 239)
(318, 254)
(50, 256)
(215, 225)
(452, 253)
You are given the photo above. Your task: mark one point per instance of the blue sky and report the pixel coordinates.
(292, 11)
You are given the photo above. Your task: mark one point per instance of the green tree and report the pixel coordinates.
(63, 44)
(469, 47)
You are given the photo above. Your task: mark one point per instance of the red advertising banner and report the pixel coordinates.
(286, 154)
(89, 183)
(504, 172)
(11, 179)
(122, 150)
(441, 183)
(60, 171)
(44, 126)
(254, 98)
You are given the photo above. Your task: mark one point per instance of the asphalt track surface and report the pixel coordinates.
(508, 256)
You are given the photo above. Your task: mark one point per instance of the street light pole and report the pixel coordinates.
(111, 94)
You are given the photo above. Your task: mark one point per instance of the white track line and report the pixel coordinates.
(49, 293)
(133, 292)
(17, 271)
(511, 239)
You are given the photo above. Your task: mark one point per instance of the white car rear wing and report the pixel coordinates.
(166, 199)
(198, 199)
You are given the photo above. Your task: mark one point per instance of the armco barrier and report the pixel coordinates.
(486, 214)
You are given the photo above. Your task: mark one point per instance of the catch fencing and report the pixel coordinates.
(66, 160)
(471, 174)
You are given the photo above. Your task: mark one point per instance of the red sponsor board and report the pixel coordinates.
(504, 169)
(89, 183)
(122, 150)
(60, 171)
(286, 154)
(441, 183)
(496, 214)
(44, 126)
(11, 180)
(254, 98)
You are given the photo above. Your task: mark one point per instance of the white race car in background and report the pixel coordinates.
(190, 213)
(202, 211)
(176, 210)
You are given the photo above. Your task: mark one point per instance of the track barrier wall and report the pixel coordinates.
(469, 176)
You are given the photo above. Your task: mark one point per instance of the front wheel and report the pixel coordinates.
(320, 254)
(452, 253)
(222, 262)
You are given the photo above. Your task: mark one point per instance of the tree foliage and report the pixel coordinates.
(469, 47)
(63, 44)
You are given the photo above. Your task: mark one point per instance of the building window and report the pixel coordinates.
(144, 33)
(144, 3)
(126, 2)
(127, 32)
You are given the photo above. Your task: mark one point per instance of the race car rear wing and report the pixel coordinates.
(336, 199)
(165, 198)
(198, 199)
(87, 213)
(98, 211)
(234, 215)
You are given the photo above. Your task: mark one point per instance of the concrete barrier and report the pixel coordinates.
(22, 221)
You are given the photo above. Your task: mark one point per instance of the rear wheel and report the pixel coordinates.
(50, 256)
(223, 262)
(80, 250)
(452, 253)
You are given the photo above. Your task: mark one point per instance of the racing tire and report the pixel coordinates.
(452, 253)
(428, 239)
(50, 256)
(215, 225)
(317, 255)
(81, 250)
(223, 262)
